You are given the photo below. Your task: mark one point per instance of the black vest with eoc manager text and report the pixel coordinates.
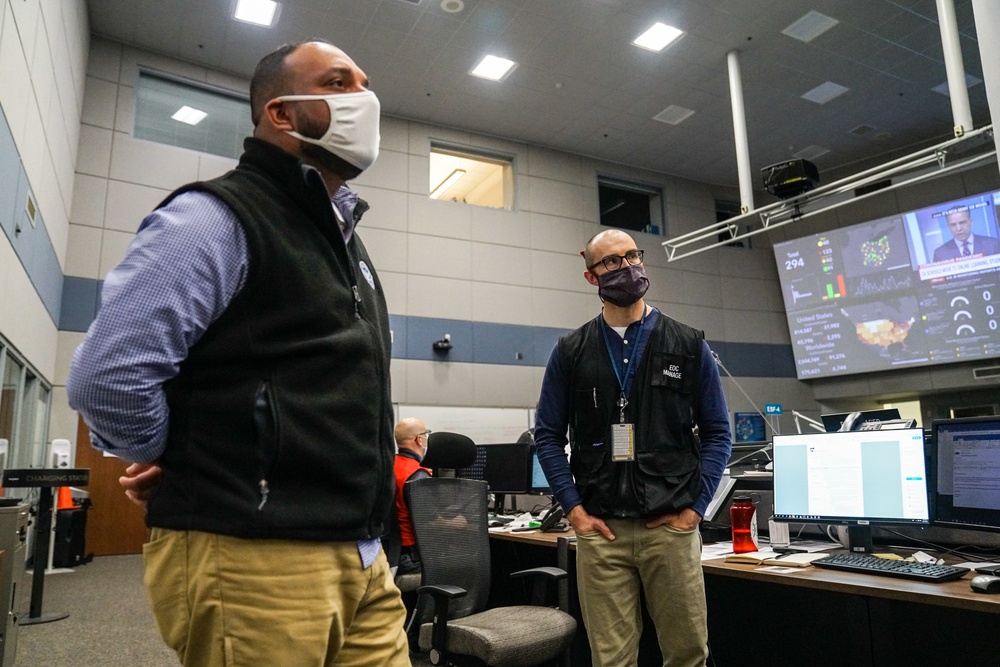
(662, 406)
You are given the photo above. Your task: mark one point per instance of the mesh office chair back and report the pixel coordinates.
(450, 521)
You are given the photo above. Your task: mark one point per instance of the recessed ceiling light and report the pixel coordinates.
(259, 12)
(189, 115)
(810, 26)
(970, 81)
(658, 37)
(825, 92)
(494, 68)
(674, 115)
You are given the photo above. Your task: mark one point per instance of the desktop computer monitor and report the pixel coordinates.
(477, 470)
(965, 473)
(508, 468)
(539, 483)
(855, 478)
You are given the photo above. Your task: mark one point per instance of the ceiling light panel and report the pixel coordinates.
(493, 68)
(810, 26)
(658, 37)
(258, 12)
(970, 81)
(673, 115)
(825, 92)
(189, 115)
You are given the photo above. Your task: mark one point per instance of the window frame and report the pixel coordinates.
(657, 202)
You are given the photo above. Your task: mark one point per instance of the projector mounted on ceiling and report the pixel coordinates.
(791, 178)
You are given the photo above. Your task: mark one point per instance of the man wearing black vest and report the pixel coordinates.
(641, 398)
(240, 360)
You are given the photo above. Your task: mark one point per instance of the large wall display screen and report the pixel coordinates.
(912, 289)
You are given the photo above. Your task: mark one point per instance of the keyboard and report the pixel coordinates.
(891, 568)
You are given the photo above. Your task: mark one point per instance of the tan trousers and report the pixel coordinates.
(667, 562)
(226, 602)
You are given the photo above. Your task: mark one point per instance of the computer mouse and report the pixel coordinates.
(495, 523)
(986, 583)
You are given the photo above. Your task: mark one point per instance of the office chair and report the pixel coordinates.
(446, 452)
(450, 522)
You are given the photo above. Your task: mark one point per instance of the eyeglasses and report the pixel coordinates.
(424, 433)
(614, 262)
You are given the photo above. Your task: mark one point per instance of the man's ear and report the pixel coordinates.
(276, 114)
(591, 278)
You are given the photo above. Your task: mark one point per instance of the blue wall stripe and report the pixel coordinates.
(79, 306)
(472, 342)
(31, 243)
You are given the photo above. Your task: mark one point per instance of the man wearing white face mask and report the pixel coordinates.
(240, 361)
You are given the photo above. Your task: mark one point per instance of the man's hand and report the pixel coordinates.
(585, 523)
(686, 519)
(139, 481)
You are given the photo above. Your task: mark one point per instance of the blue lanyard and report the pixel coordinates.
(629, 372)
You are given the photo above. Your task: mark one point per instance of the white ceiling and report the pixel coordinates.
(581, 86)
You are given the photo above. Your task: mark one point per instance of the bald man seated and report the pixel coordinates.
(411, 445)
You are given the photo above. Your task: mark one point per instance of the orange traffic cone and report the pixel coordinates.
(65, 499)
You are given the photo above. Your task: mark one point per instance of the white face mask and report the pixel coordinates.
(353, 134)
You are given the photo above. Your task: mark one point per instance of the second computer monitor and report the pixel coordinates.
(508, 467)
(539, 483)
(965, 473)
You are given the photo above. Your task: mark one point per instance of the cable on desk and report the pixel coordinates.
(958, 551)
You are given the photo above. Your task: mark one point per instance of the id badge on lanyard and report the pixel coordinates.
(622, 442)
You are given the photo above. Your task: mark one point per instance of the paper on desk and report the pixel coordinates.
(972, 566)
(723, 549)
(779, 569)
(716, 550)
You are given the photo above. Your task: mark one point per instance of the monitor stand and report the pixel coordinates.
(859, 539)
(498, 504)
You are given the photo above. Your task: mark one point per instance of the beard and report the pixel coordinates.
(321, 157)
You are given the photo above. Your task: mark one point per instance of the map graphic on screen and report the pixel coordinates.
(912, 289)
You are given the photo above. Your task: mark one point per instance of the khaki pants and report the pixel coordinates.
(667, 562)
(226, 602)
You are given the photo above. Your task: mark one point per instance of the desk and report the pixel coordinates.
(818, 617)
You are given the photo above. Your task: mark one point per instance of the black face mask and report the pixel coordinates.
(624, 286)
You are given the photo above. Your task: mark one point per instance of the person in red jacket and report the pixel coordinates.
(411, 444)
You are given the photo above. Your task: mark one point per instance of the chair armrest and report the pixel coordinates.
(551, 573)
(441, 593)
(542, 576)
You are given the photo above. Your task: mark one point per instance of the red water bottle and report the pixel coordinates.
(743, 516)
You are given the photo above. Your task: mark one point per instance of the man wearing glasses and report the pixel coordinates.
(411, 447)
(633, 387)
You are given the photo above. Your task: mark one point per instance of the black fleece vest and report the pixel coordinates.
(666, 474)
(280, 417)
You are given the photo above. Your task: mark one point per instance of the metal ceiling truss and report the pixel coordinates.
(924, 165)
